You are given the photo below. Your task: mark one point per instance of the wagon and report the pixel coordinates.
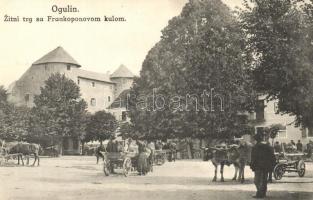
(119, 160)
(291, 162)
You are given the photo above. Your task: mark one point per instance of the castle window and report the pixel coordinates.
(46, 66)
(27, 97)
(109, 98)
(93, 84)
(93, 102)
(68, 67)
(78, 81)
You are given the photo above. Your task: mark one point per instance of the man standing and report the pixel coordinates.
(299, 146)
(262, 162)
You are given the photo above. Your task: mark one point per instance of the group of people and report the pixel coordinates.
(291, 147)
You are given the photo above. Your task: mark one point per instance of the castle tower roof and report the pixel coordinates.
(122, 72)
(58, 55)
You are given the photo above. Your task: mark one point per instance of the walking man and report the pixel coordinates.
(262, 162)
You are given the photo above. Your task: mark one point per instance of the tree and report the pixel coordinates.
(280, 35)
(3, 97)
(102, 125)
(3, 110)
(127, 130)
(59, 111)
(17, 122)
(200, 55)
(14, 121)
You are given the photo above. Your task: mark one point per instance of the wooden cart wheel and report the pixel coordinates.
(106, 166)
(301, 168)
(279, 172)
(127, 166)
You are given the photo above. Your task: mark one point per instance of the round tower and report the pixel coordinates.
(22, 92)
(123, 78)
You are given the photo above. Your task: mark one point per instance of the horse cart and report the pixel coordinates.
(119, 160)
(289, 162)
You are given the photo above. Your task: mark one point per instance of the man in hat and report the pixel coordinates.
(262, 162)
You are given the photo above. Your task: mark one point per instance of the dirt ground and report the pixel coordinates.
(79, 177)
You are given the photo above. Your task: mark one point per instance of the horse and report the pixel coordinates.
(6, 151)
(23, 148)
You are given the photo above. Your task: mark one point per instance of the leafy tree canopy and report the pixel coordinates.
(201, 54)
(59, 111)
(102, 125)
(280, 36)
(14, 121)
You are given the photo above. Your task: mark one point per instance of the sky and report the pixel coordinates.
(97, 46)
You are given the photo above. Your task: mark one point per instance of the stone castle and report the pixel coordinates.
(100, 91)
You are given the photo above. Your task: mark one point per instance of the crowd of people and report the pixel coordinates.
(293, 147)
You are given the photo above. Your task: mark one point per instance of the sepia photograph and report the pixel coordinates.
(156, 99)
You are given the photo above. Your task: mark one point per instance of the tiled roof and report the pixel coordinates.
(58, 55)
(122, 72)
(93, 75)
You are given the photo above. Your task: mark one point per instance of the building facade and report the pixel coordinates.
(266, 115)
(98, 90)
